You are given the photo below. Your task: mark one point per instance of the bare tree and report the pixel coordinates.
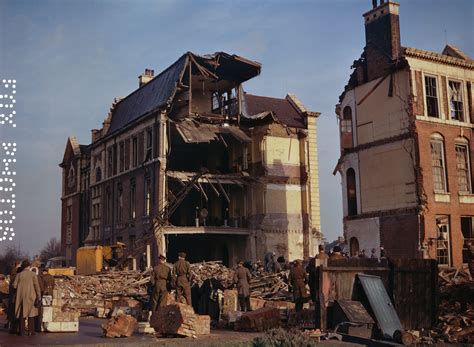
(51, 250)
(9, 257)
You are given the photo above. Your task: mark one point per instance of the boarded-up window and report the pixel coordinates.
(462, 165)
(455, 101)
(431, 97)
(438, 164)
(351, 192)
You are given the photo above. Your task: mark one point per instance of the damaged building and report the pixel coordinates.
(190, 162)
(406, 137)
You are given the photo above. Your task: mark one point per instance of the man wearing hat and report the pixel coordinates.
(182, 272)
(242, 279)
(160, 280)
(298, 279)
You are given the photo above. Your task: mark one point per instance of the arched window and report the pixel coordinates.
(438, 163)
(463, 165)
(351, 192)
(70, 177)
(346, 128)
(354, 246)
(98, 174)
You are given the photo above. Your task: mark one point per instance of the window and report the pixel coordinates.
(121, 156)
(131, 240)
(119, 202)
(354, 246)
(438, 163)
(455, 101)
(70, 177)
(110, 162)
(98, 174)
(443, 252)
(69, 214)
(147, 191)
(134, 151)
(149, 144)
(346, 122)
(133, 199)
(431, 97)
(351, 192)
(467, 229)
(463, 168)
(108, 206)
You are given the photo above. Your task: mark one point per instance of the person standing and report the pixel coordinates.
(160, 280)
(12, 320)
(46, 283)
(269, 258)
(298, 279)
(182, 272)
(242, 279)
(27, 294)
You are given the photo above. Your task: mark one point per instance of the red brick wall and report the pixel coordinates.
(454, 209)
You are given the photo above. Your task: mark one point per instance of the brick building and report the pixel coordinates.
(250, 163)
(406, 130)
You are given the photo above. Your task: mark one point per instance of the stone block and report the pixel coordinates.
(47, 314)
(58, 327)
(145, 328)
(256, 303)
(259, 320)
(230, 300)
(119, 326)
(202, 325)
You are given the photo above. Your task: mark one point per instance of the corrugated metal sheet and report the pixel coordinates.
(152, 95)
(384, 311)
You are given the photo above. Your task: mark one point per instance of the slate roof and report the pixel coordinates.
(149, 97)
(283, 110)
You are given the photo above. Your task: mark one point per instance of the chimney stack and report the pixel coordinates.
(146, 77)
(382, 28)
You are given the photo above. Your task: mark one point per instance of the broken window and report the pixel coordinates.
(147, 190)
(133, 198)
(149, 144)
(121, 156)
(467, 228)
(438, 163)
(224, 103)
(462, 164)
(431, 97)
(455, 101)
(443, 252)
(134, 151)
(351, 192)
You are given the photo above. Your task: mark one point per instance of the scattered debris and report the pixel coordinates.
(121, 325)
(259, 320)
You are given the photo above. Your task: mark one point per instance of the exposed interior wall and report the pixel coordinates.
(387, 177)
(379, 115)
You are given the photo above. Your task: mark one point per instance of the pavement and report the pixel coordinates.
(90, 334)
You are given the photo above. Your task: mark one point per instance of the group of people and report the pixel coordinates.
(27, 286)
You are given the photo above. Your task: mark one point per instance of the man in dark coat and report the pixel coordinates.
(160, 280)
(311, 269)
(242, 279)
(12, 320)
(182, 273)
(27, 293)
(298, 279)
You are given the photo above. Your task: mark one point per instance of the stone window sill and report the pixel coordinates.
(466, 198)
(442, 197)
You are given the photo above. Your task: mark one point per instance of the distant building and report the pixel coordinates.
(406, 130)
(260, 191)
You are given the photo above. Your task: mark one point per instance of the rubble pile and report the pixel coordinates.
(456, 309)
(180, 319)
(104, 285)
(212, 269)
(270, 286)
(121, 325)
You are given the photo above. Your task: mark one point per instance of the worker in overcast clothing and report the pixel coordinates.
(298, 279)
(242, 279)
(160, 280)
(182, 273)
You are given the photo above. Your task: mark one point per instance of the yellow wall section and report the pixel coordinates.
(283, 198)
(282, 150)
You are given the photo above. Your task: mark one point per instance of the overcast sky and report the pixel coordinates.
(71, 58)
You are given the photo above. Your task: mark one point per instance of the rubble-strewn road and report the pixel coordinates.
(90, 335)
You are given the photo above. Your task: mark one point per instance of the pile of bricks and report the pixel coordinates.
(58, 317)
(259, 320)
(180, 319)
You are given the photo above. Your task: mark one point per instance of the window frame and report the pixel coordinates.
(133, 199)
(439, 141)
(461, 92)
(466, 239)
(148, 144)
(134, 149)
(468, 167)
(447, 241)
(121, 156)
(425, 96)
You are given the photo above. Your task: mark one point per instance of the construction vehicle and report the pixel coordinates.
(59, 266)
(93, 259)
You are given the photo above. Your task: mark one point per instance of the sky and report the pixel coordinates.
(71, 58)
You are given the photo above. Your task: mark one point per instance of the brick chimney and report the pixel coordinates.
(382, 36)
(382, 27)
(146, 77)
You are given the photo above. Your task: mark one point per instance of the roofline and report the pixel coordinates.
(437, 57)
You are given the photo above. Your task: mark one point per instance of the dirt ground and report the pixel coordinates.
(90, 335)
